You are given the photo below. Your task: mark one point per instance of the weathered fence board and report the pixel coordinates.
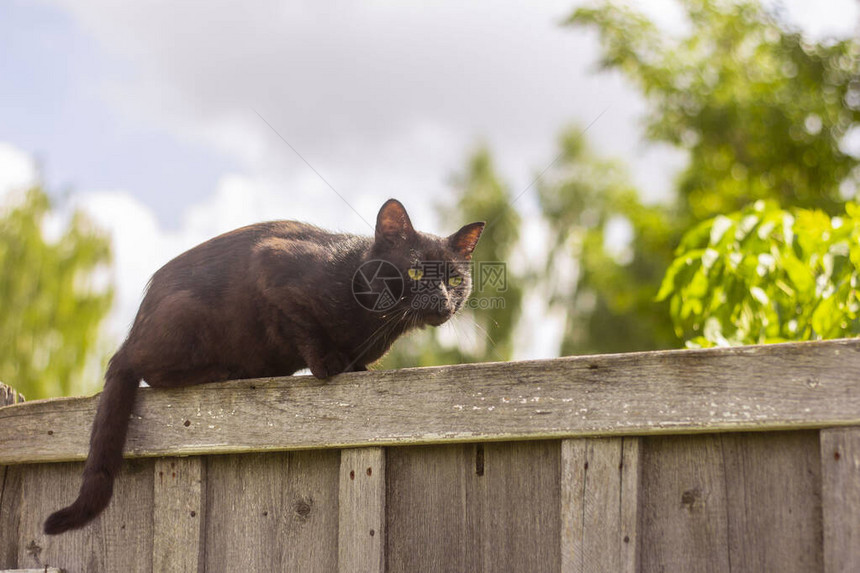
(10, 494)
(618, 492)
(519, 500)
(631, 479)
(178, 515)
(491, 507)
(739, 502)
(840, 468)
(426, 498)
(732, 502)
(40, 570)
(9, 396)
(282, 508)
(773, 488)
(683, 505)
(599, 502)
(361, 521)
(10, 514)
(120, 539)
(626, 394)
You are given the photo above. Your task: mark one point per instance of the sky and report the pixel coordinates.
(171, 122)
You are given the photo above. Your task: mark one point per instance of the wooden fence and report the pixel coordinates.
(741, 459)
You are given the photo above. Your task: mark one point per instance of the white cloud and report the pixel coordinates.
(139, 245)
(18, 173)
(344, 83)
(17, 170)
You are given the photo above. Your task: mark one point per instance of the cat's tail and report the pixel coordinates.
(106, 443)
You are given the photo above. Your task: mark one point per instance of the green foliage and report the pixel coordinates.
(761, 109)
(610, 302)
(482, 332)
(766, 274)
(50, 309)
(762, 112)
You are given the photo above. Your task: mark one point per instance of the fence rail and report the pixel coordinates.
(740, 459)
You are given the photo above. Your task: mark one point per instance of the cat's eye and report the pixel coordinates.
(455, 280)
(415, 274)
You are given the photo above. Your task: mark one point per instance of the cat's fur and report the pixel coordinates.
(264, 300)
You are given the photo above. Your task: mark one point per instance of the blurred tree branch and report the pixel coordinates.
(51, 302)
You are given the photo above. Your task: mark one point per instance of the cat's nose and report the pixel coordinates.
(439, 303)
(435, 305)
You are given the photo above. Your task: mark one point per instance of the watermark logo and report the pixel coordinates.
(426, 276)
(377, 285)
(486, 275)
(491, 274)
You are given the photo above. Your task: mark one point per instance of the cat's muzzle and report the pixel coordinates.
(433, 309)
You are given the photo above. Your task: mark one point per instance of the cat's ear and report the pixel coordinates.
(465, 240)
(392, 223)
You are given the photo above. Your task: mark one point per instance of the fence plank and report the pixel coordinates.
(42, 570)
(840, 492)
(773, 485)
(10, 514)
(599, 504)
(430, 507)
(683, 505)
(484, 507)
(520, 497)
(178, 515)
(631, 478)
(361, 523)
(786, 386)
(120, 539)
(272, 512)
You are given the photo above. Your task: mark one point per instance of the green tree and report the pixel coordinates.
(50, 304)
(765, 274)
(485, 328)
(610, 299)
(762, 112)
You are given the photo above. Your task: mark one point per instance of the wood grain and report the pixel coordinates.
(361, 529)
(8, 395)
(42, 570)
(10, 514)
(840, 492)
(631, 480)
(599, 503)
(732, 502)
(788, 386)
(178, 515)
(519, 497)
(272, 512)
(483, 508)
(120, 539)
(683, 516)
(773, 485)
(431, 518)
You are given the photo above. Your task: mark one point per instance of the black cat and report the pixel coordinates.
(268, 300)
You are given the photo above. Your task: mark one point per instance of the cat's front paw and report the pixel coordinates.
(332, 363)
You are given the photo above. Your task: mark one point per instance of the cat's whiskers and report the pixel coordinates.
(381, 333)
(386, 325)
(491, 347)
